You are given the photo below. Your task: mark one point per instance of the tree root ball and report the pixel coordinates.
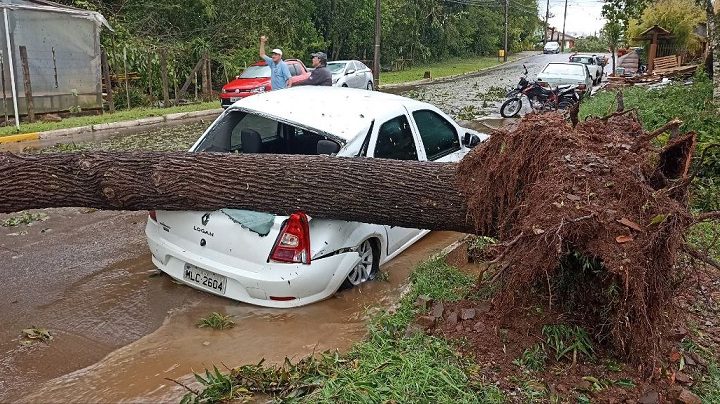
(600, 192)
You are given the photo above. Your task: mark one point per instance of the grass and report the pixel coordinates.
(216, 321)
(122, 115)
(26, 218)
(709, 387)
(450, 67)
(388, 366)
(568, 341)
(532, 358)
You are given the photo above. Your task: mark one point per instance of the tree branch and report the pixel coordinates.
(646, 137)
(701, 256)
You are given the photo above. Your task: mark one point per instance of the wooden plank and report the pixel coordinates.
(106, 78)
(27, 83)
(164, 77)
(190, 77)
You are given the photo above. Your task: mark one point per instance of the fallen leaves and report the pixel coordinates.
(35, 333)
(629, 223)
(623, 239)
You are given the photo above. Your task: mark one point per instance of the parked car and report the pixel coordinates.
(350, 73)
(551, 47)
(594, 66)
(287, 261)
(255, 79)
(574, 74)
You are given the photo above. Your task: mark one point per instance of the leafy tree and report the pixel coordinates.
(680, 17)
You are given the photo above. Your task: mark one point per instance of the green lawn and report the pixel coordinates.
(124, 115)
(445, 68)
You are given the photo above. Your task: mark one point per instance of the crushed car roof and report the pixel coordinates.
(343, 112)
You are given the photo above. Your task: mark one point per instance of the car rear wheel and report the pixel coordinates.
(345, 85)
(368, 266)
(369, 86)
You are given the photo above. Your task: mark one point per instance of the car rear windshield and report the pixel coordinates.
(254, 72)
(336, 67)
(566, 69)
(264, 135)
(581, 59)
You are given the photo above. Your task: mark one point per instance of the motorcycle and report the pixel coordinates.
(540, 98)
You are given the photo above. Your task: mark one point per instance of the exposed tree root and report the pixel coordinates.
(598, 190)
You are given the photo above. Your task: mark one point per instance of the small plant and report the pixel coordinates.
(26, 218)
(217, 321)
(216, 387)
(568, 341)
(35, 333)
(532, 358)
(467, 113)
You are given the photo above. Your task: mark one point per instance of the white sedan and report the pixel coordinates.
(288, 261)
(573, 74)
(350, 73)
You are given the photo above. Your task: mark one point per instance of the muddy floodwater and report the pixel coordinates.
(120, 329)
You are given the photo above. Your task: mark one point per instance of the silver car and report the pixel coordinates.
(351, 73)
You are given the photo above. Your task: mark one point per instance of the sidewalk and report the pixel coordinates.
(113, 126)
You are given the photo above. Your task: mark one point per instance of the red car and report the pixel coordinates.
(256, 79)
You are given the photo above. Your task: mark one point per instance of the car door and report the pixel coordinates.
(395, 139)
(356, 78)
(440, 139)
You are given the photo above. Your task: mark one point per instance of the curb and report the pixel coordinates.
(448, 78)
(24, 137)
(110, 126)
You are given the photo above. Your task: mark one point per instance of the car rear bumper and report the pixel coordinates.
(306, 283)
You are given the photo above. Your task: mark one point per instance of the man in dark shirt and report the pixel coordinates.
(320, 76)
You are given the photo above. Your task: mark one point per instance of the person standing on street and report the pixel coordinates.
(320, 76)
(279, 71)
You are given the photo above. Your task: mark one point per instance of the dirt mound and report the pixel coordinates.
(594, 212)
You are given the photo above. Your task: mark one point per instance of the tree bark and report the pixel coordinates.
(397, 193)
(27, 83)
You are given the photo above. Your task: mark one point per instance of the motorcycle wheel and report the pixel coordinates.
(511, 108)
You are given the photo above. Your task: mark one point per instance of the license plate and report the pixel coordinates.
(205, 279)
(233, 99)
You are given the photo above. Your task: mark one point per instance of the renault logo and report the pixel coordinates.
(205, 219)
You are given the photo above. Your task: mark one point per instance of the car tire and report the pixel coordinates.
(345, 85)
(369, 86)
(367, 268)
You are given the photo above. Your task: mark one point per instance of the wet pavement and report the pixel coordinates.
(120, 329)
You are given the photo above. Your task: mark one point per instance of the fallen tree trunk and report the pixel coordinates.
(398, 193)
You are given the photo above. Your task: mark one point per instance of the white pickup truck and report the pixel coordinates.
(593, 64)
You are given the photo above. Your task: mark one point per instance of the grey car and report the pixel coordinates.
(351, 73)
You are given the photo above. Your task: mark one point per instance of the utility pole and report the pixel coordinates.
(505, 48)
(376, 57)
(562, 44)
(547, 17)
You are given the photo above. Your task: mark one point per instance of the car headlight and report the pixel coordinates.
(224, 90)
(256, 90)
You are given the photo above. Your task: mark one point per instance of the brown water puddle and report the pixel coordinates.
(138, 371)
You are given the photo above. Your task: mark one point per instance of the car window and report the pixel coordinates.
(254, 72)
(361, 66)
(278, 138)
(395, 140)
(439, 136)
(562, 68)
(294, 69)
(335, 68)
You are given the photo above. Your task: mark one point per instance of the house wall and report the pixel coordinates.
(63, 57)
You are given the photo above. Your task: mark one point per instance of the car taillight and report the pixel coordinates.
(581, 86)
(153, 215)
(293, 242)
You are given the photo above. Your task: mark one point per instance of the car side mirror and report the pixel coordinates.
(471, 140)
(349, 72)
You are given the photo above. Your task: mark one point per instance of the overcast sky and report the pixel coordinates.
(583, 16)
